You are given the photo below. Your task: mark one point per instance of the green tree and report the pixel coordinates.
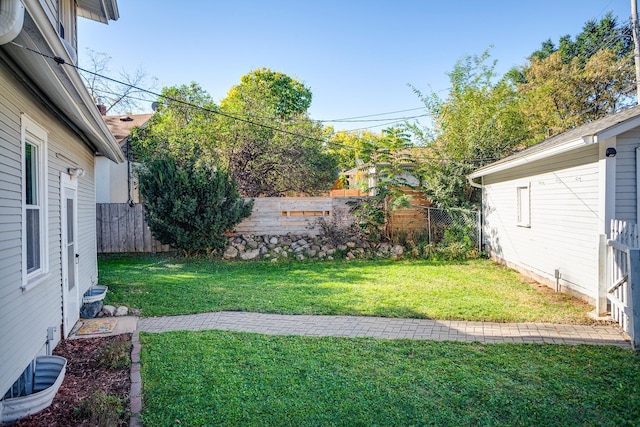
(268, 92)
(579, 80)
(391, 160)
(347, 147)
(478, 122)
(275, 148)
(189, 203)
(184, 125)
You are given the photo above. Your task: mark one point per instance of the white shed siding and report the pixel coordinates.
(626, 192)
(26, 315)
(564, 218)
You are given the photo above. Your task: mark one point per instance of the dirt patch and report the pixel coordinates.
(96, 386)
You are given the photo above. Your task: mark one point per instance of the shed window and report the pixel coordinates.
(34, 202)
(524, 206)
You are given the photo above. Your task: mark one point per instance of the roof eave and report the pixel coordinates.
(61, 84)
(524, 158)
(99, 10)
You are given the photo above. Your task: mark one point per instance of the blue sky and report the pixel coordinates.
(358, 57)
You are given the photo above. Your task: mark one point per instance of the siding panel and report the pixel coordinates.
(564, 218)
(626, 190)
(25, 316)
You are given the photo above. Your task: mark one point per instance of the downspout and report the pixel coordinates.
(11, 20)
(473, 183)
(476, 185)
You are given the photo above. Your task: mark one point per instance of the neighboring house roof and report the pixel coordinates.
(122, 125)
(590, 133)
(98, 10)
(60, 86)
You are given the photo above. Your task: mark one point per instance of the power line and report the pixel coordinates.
(372, 120)
(371, 115)
(61, 61)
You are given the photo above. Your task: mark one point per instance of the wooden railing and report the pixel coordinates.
(623, 282)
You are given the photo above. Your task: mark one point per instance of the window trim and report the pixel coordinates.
(523, 219)
(33, 134)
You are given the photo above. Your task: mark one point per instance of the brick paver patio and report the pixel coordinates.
(378, 327)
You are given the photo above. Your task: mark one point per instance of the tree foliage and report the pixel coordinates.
(348, 147)
(183, 127)
(478, 122)
(391, 160)
(275, 148)
(189, 203)
(579, 80)
(268, 92)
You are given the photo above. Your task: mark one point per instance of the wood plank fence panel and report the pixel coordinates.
(122, 228)
(283, 215)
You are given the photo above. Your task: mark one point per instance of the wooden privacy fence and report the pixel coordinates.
(296, 215)
(623, 278)
(412, 218)
(122, 228)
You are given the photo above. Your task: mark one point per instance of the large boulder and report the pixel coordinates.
(91, 310)
(230, 253)
(252, 254)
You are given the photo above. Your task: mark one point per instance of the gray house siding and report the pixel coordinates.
(626, 189)
(564, 219)
(26, 315)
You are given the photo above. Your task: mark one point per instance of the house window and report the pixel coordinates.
(66, 21)
(524, 206)
(34, 202)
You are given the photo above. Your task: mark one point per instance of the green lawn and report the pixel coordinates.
(472, 290)
(223, 378)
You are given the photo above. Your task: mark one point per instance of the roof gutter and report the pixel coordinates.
(537, 155)
(473, 183)
(11, 20)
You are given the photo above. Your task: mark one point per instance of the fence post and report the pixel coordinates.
(601, 298)
(634, 297)
(429, 223)
(479, 226)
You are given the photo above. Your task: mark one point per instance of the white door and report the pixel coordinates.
(70, 257)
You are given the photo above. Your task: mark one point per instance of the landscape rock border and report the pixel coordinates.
(302, 247)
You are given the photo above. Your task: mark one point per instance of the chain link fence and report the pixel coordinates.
(457, 223)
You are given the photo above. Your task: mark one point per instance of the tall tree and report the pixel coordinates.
(274, 148)
(185, 125)
(579, 80)
(478, 122)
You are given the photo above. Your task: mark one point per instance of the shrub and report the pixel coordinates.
(189, 203)
(102, 410)
(116, 354)
(339, 228)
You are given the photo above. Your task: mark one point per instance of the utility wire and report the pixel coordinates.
(61, 61)
(371, 115)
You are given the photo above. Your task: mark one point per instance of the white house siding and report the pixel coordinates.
(626, 191)
(26, 315)
(112, 183)
(564, 219)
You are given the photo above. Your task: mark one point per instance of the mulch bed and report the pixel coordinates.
(84, 377)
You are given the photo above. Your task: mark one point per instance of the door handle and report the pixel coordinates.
(77, 258)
